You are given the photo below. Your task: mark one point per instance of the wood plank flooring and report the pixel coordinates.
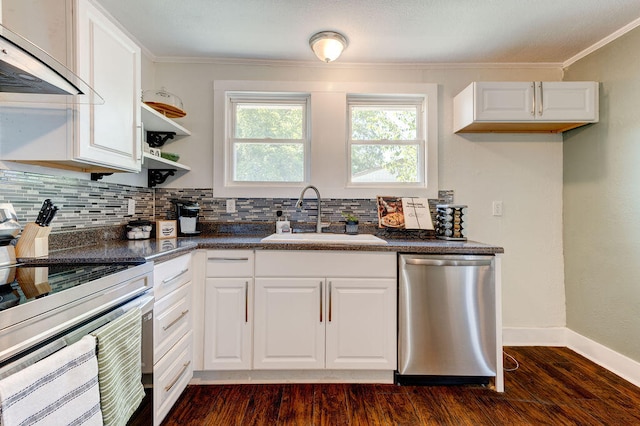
(553, 386)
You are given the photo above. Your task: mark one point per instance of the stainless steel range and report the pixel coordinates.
(46, 307)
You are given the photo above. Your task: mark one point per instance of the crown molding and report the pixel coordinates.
(356, 65)
(622, 31)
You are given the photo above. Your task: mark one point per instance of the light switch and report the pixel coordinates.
(131, 208)
(231, 205)
(497, 208)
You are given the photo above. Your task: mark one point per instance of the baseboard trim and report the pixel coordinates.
(615, 362)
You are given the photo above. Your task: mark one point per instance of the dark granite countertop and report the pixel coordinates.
(160, 250)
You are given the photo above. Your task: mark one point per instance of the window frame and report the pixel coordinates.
(328, 132)
(371, 100)
(233, 99)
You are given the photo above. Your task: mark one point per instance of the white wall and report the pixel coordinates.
(522, 171)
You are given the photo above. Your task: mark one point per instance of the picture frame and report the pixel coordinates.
(166, 229)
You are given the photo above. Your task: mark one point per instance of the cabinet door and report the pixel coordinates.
(567, 101)
(108, 134)
(289, 323)
(228, 323)
(504, 101)
(361, 324)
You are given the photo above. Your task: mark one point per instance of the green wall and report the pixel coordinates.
(601, 197)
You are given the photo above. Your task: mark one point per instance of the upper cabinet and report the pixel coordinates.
(525, 107)
(88, 138)
(108, 134)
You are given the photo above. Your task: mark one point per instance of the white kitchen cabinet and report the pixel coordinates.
(108, 134)
(512, 107)
(88, 138)
(317, 310)
(228, 320)
(228, 310)
(290, 323)
(361, 326)
(172, 333)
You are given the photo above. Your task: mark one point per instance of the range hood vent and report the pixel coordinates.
(29, 74)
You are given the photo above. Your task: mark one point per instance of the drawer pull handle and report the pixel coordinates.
(229, 259)
(165, 328)
(178, 275)
(174, 381)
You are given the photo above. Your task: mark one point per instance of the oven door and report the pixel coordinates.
(45, 348)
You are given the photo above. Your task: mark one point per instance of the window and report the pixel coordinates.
(268, 139)
(349, 139)
(386, 141)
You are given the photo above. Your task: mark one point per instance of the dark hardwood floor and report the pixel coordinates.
(553, 386)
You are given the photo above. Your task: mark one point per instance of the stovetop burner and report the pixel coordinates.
(20, 284)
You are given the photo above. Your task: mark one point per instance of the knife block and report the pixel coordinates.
(34, 241)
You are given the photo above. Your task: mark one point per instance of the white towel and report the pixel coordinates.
(61, 389)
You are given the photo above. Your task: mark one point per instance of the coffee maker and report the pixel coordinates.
(187, 213)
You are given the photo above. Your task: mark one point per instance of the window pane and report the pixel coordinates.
(259, 121)
(384, 163)
(268, 162)
(383, 123)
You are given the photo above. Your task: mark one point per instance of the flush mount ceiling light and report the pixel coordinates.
(328, 45)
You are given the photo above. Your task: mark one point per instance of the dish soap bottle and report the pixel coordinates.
(283, 226)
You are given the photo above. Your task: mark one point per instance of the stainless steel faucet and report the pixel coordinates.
(319, 225)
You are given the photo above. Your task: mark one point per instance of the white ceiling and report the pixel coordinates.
(378, 31)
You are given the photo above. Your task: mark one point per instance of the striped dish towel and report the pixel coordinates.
(61, 389)
(119, 367)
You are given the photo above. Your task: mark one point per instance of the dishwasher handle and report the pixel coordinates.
(447, 262)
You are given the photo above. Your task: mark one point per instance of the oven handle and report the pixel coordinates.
(143, 301)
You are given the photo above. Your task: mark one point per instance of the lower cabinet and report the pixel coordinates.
(228, 323)
(172, 333)
(228, 310)
(333, 323)
(361, 324)
(300, 310)
(290, 323)
(325, 310)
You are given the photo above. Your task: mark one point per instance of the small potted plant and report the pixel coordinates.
(352, 222)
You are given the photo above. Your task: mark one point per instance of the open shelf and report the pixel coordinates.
(154, 162)
(156, 122)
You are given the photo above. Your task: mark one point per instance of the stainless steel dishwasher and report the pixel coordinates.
(446, 319)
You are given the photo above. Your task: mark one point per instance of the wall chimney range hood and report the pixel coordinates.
(29, 74)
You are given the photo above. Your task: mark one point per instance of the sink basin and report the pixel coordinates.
(315, 238)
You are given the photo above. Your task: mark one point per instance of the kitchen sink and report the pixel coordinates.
(315, 238)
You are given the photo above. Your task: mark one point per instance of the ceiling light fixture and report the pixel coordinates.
(328, 45)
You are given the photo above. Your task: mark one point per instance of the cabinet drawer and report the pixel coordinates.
(170, 275)
(172, 374)
(172, 320)
(230, 263)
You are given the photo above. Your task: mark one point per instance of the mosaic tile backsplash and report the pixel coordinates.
(82, 203)
(87, 204)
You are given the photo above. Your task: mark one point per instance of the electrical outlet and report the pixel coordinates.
(131, 208)
(231, 205)
(497, 208)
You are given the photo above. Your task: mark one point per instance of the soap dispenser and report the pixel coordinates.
(283, 226)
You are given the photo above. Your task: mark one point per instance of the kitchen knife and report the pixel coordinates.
(51, 215)
(43, 210)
